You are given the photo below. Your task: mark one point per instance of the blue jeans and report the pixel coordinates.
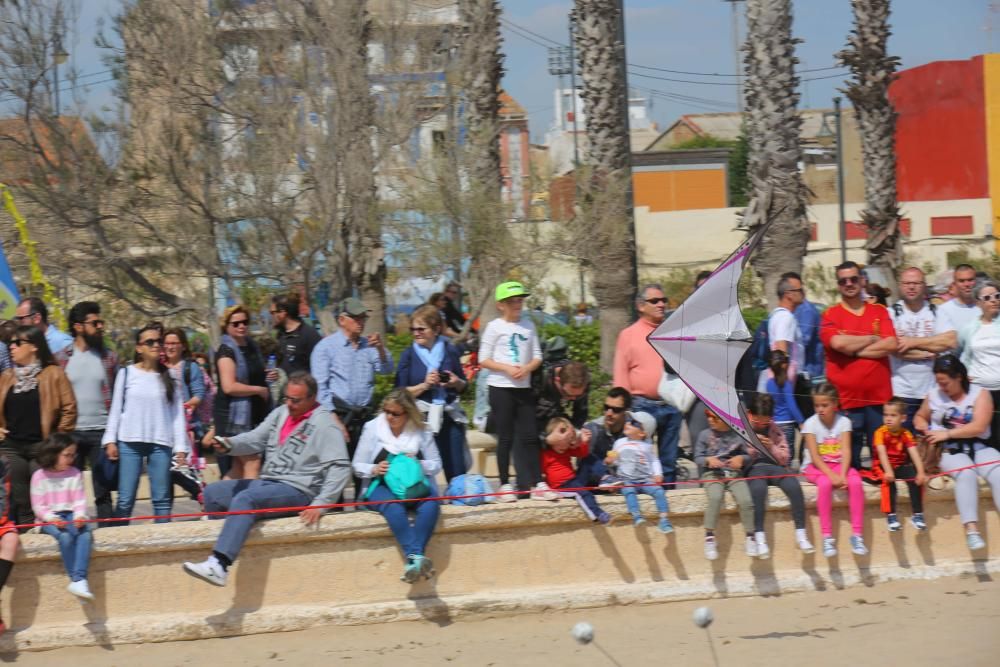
(248, 494)
(450, 442)
(412, 537)
(632, 500)
(130, 458)
(74, 545)
(668, 432)
(864, 422)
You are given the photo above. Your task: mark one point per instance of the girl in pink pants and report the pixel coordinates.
(826, 462)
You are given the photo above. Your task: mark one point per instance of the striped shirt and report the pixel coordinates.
(53, 491)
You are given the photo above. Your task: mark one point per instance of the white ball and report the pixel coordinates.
(583, 632)
(703, 617)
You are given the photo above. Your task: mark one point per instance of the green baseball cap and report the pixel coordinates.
(509, 289)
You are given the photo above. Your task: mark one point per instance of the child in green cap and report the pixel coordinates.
(510, 350)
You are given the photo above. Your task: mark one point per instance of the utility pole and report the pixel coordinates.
(629, 193)
(840, 179)
(736, 52)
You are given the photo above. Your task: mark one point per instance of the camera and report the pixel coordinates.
(444, 376)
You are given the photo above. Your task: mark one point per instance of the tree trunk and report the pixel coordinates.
(873, 71)
(603, 217)
(773, 127)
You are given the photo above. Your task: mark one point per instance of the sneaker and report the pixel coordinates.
(638, 521)
(603, 518)
(751, 547)
(81, 590)
(805, 546)
(917, 521)
(894, 523)
(412, 570)
(609, 483)
(543, 492)
(209, 570)
(763, 551)
(858, 547)
(829, 547)
(975, 541)
(711, 552)
(665, 526)
(507, 494)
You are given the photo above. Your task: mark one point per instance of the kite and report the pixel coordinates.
(705, 338)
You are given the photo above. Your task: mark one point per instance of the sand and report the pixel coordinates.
(943, 623)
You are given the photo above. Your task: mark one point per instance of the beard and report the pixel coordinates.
(95, 342)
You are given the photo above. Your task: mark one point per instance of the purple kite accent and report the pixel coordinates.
(737, 256)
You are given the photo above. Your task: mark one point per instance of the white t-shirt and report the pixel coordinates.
(827, 439)
(913, 379)
(947, 414)
(953, 315)
(984, 364)
(782, 326)
(514, 343)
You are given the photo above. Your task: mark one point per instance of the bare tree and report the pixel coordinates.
(873, 71)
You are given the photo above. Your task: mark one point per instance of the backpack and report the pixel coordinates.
(760, 348)
(469, 485)
(405, 478)
(203, 413)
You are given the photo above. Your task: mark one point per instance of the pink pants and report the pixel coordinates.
(824, 499)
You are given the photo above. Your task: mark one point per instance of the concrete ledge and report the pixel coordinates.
(496, 559)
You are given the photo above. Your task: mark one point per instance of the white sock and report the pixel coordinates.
(760, 537)
(800, 534)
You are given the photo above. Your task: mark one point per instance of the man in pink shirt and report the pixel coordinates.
(638, 368)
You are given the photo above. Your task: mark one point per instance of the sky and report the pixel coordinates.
(685, 35)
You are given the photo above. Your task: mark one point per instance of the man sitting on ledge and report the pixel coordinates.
(306, 463)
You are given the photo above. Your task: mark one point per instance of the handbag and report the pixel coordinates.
(404, 478)
(674, 392)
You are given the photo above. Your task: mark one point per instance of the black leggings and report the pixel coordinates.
(513, 413)
(758, 491)
(916, 493)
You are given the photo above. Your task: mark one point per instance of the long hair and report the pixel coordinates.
(36, 337)
(48, 451)
(952, 366)
(161, 368)
(402, 398)
(777, 360)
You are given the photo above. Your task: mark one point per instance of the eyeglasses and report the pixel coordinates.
(22, 318)
(795, 289)
(294, 401)
(418, 329)
(239, 323)
(95, 323)
(990, 297)
(393, 413)
(20, 341)
(614, 408)
(656, 300)
(848, 280)
(151, 342)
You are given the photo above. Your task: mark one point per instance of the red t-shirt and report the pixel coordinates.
(895, 445)
(860, 382)
(558, 468)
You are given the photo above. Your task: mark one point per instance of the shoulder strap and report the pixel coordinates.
(124, 389)
(897, 308)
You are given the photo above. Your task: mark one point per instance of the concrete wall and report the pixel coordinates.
(495, 559)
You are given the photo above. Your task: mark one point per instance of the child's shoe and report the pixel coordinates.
(763, 551)
(975, 541)
(543, 492)
(609, 483)
(412, 570)
(603, 518)
(81, 590)
(637, 520)
(858, 547)
(209, 570)
(829, 547)
(750, 546)
(711, 551)
(893, 523)
(665, 526)
(805, 546)
(917, 521)
(506, 494)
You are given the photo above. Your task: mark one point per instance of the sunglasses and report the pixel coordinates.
(20, 341)
(849, 280)
(656, 300)
(22, 318)
(239, 323)
(151, 342)
(95, 323)
(636, 423)
(614, 408)
(418, 329)
(394, 413)
(990, 297)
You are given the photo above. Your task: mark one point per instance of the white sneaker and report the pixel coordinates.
(209, 570)
(858, 545)
(804, 544)
(507, 494)
(81, 590)
(751, 547)
(763, 551)
(711, 552)
(543, 492)
(829, 547)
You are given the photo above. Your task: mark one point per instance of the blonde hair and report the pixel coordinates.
(429, 315)
(228, 313)
(403, 399)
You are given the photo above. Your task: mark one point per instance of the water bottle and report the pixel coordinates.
(272, 363)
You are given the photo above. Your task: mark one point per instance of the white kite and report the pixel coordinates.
(704, 340)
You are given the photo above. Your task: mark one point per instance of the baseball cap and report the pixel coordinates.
(509, 289)
(352, 307)
(646, 422)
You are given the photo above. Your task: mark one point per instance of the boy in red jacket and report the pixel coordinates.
(563, 443)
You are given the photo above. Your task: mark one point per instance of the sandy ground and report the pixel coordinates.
(942, 623)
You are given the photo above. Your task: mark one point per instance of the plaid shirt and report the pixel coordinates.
(110, 362)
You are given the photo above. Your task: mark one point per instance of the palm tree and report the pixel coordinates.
(873, 71)
(602, 223)
(773, 127)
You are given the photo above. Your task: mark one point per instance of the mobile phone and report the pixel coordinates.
(222, 444)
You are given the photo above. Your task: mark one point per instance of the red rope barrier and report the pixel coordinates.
(366, 503)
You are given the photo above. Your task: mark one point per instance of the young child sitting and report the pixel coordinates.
(636, 465)
(898, 456)
(720, 455)
(562, 444)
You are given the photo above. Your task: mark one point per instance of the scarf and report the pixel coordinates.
(407, 442)
(239, 406)
(26, 377)
(432, 359)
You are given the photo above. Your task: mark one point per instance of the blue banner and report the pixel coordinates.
(9, 297)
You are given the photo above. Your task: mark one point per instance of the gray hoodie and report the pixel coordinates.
(313, 459)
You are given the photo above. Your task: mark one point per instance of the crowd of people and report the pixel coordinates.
(292, 422)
